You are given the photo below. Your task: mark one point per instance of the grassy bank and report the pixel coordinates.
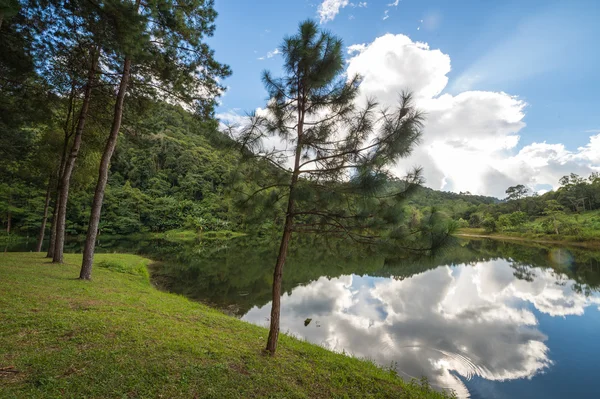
(531, 237)
(572, 228)
(118, 337)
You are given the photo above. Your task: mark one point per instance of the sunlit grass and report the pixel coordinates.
(118, 337)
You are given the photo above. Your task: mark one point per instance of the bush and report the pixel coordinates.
(475, 220)
(462, 223)
(489, 224)
(512, 221)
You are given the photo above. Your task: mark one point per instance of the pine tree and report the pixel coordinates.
(333, 170)
(157, 48)
(65, 47)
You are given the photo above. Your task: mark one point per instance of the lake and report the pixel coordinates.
(485, 318)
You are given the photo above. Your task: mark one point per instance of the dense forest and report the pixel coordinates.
(78, 78)
(168, 172)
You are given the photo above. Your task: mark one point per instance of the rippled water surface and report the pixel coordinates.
(486, 319)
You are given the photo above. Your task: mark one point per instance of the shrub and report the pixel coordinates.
(462, 223)
(489, 224)
(475, 220)
(512, 221)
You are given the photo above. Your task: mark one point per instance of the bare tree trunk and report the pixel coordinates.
(52, 241)
(60, 171)
(285, 241)
(92, 233)
(277, 280)
(40, 241)
(63, 195)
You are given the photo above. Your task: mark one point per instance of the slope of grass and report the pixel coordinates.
(118, 337)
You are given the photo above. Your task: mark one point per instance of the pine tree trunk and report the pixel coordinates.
(63, 195)
(9, 212)
(285, 241)
(92, 233)
(52, 241)
(59, 172)
(277, 280)
(40, 241)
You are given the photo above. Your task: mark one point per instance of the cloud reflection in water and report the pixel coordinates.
(448, 324)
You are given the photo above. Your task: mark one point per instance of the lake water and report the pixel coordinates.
(487, 319)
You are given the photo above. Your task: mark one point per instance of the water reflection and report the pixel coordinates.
(449, 324)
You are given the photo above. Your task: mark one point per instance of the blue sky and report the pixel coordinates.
(544, 53)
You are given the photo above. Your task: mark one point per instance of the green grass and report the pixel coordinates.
(118, 337)
(122, 263)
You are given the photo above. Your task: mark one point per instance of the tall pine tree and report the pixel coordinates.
(333, 165)
(158, 51)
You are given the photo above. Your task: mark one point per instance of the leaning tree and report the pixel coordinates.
(157, 50)
(327, 158)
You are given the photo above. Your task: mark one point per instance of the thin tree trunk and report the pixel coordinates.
(40, 241)
(52, 241)
(9, 212)
(277, 280)
(60, 172)
(63, 195)
(285, 241)
(92, 233)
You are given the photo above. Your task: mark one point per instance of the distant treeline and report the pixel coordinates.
(567, 211)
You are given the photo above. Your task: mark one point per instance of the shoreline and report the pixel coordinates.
(583, 244)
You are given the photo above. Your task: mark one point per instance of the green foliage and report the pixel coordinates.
(511, 221)
(170, 172)
(517, 192)
(462, 223)
(340, 182)
(489, 224)
(567, 213)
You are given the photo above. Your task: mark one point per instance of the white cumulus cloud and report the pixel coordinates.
(470, 138)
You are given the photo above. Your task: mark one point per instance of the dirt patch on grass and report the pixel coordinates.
(11, 374)
(239, 368)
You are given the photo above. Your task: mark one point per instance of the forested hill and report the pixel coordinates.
(451, 203)
(170, 171)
